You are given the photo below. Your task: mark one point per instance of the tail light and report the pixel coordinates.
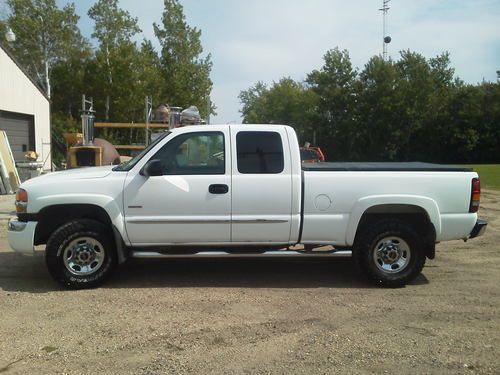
(475, 196)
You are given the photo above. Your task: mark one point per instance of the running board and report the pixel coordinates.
(224, 254)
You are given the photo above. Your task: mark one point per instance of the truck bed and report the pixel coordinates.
(381, 167)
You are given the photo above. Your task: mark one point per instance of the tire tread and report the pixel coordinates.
(362, 253)
(54, 248)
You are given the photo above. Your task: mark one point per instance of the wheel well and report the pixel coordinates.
(52, 217)
(413, 215)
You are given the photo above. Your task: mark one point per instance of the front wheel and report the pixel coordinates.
(390, 253)
(81, 254)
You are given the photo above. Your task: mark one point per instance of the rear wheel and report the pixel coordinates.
(81, 254)
(390, 253)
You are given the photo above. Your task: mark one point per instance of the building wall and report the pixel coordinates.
(19, 94)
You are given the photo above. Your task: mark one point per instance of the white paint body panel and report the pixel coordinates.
(99, 186)
(258, 209)
(22, 241)
(261, 203)
(170, 210)
(352, 193)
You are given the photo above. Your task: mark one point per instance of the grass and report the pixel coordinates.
(489, 174)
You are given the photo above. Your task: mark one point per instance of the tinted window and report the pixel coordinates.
(259, 152)
(193, 153)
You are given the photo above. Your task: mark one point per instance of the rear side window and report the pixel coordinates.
(259, 152)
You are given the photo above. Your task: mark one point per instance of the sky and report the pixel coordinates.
(265, 40)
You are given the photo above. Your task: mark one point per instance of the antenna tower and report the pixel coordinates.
(386, 39)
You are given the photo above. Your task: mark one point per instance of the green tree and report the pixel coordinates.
(429, 112)
(412, 108)
(413, 93)
(337, 87)
(185, 73)
(113, 29)
(383, 130)
(254, 108)
(148, 79)
(284, 102)
(488, 150)
(69, 83)
(141, 73)
(45, 36)
(3, 30)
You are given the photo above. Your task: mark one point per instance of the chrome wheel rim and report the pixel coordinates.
(392, 254)
(83, 256)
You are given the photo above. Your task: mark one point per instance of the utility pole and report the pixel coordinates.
(45, 60)
(209, 109)
(47, 78)
(148, 104)
(386, 39)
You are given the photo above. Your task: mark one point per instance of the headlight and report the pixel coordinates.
(21, 201)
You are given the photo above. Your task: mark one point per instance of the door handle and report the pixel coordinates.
(218, 189)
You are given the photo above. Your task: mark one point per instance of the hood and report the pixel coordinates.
(73, 174)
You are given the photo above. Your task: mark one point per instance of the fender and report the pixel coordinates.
(363, 204)
(109, 204)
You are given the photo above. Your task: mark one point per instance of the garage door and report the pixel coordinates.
(20, 132)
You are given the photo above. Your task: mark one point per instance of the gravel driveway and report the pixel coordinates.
(257, 316)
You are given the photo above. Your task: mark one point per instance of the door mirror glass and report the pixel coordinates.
(152, 168)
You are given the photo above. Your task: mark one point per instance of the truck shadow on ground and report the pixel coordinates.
(29, 274)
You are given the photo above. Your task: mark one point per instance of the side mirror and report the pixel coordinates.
(152, 168)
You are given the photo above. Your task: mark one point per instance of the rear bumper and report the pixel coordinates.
(479, 228)
(21, 235)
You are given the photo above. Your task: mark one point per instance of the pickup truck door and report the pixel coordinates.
(191, 201)
(262, 185)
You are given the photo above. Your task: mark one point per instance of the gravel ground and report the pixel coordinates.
(257, 316)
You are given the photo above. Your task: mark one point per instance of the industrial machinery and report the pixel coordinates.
(83, 149)
(86, 151)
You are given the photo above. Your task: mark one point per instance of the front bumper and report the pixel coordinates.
(21, 235)
(479, 228)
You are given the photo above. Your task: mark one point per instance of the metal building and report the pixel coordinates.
(24, 111)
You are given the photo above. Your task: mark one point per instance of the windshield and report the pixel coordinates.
(128, 165)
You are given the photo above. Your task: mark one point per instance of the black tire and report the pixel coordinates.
(369, 239)
(67, 234)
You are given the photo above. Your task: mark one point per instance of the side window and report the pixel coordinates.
(193, 153)
(259, 152)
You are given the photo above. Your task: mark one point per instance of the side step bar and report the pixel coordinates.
(224, 254)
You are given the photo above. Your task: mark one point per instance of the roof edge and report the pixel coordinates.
(25, 72)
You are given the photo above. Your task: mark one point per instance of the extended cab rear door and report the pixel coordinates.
(261, 184)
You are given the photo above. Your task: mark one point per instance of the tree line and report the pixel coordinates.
(411, 108)
(112, 68)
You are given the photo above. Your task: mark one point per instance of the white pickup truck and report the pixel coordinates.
(241, 190)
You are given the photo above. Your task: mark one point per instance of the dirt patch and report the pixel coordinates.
(258, 316)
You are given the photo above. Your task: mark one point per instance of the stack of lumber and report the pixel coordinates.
(9, 178)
